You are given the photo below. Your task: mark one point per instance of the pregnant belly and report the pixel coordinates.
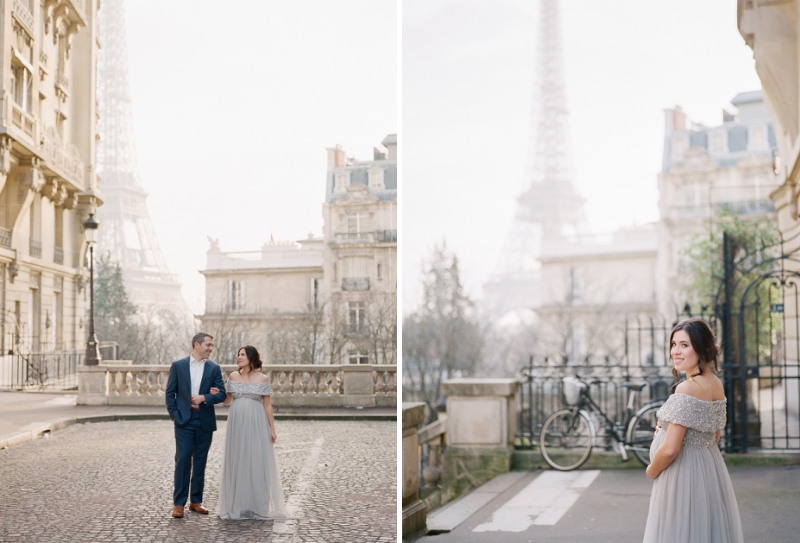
(659, 439)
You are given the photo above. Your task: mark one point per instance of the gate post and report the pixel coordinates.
(728, 364)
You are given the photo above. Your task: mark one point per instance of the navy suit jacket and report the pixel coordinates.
(179, 393)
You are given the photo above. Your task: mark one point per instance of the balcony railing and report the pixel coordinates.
(5, 237)
(64, 156)
(58, 255)
(290, 257)
(22, 120)
(378, 236)
(62, 80)
(23, 15)
(36, 248)
(355, 283)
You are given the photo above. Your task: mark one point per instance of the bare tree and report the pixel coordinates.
(442, 338)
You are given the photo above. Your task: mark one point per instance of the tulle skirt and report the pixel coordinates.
(250, 483)
(693, 500)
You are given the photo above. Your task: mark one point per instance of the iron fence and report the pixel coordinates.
(541, 390)
(40, 371)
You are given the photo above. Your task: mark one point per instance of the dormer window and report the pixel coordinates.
(376, 178)
(342, 180)
(718, 143)
(758, 138)
(678, 147)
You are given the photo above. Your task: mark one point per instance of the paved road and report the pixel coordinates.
(112, 482)
(611, 507)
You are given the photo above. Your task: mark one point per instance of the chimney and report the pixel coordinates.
(336, 157)
(390, 142)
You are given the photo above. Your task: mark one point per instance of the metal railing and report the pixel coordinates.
(36, 248)
(541, 389)
(355, 283)
(5, 237)
(58, 255)
(40, 371)
(377, 236)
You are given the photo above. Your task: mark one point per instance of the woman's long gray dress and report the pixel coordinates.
(250, 483)
(693, 500)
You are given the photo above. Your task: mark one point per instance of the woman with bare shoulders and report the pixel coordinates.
(250, 483)
(692, 498)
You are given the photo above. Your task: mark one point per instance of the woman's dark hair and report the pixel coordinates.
(703, 342)
(253, 358)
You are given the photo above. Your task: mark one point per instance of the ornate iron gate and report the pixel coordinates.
(757, 322)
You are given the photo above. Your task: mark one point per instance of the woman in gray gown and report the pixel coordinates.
(692, 498)
(250, 483)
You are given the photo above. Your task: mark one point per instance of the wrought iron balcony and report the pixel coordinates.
(36, 248)
(386, 236)
(58, 255)
(355, 283)
(378, 236)
(62, 80)
(5, 237)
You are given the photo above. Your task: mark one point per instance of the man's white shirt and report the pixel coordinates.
(196, 372)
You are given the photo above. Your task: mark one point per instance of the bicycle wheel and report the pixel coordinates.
(566, 439)
(640, 432)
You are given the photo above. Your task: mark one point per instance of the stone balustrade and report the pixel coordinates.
(467, 446)
(307, 385)
(414, 510)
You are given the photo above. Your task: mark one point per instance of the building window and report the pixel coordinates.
(718, 143)
(342, 180)
(313, 292)
(58, 321)
(574, 286)
(758, 138)
(235, 296)
(354, 224)
(356, 316)
(21, 87)
(678, 147)
(376, 178)
(356, 357)
(379, 271)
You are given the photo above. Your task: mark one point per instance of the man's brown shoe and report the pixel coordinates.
(197, 508)
(177, 511)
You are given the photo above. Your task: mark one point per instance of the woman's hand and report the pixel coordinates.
(273, 435)
(649, 472)
(214, 391)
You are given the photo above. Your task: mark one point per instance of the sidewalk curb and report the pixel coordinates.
(35, 430)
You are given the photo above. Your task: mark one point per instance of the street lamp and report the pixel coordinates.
(90, 227)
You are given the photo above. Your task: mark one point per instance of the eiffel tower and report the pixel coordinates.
(126, 231)
(549, 210)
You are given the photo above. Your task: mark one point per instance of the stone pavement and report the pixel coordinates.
(607, 506)
(112, 482)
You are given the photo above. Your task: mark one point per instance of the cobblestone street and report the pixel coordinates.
(112, 482)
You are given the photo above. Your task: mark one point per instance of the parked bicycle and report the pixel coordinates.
(569, 434)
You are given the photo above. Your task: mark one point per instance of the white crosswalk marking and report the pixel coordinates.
(544, 501)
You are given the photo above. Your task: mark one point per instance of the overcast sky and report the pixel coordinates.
(234, 105)
(468, 68)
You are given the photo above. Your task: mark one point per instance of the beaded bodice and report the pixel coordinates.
(252, 391)
(701, 418)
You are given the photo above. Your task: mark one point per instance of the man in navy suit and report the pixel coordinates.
(191, 406)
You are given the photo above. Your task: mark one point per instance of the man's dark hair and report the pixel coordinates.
(200, 338)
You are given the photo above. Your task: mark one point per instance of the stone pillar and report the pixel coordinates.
(413, 507)
(481, 426)
(92, 385)
(359, 388)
